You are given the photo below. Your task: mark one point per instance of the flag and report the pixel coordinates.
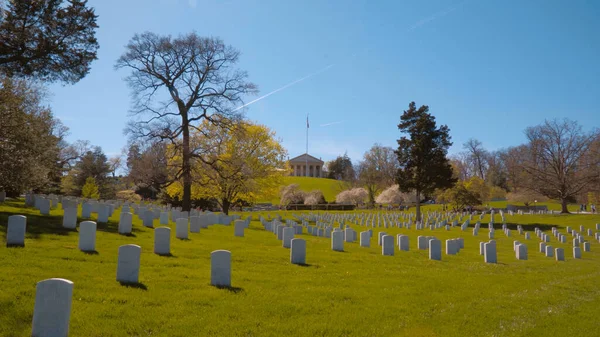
(307, 126)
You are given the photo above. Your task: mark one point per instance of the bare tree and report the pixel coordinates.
(177, 83)
(560, 162)
(478, 156)
(115, 163)
(377, 170)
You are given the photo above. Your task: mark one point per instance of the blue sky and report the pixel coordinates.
(487, 69)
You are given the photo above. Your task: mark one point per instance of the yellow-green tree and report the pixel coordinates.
(234, 165)
(90, 189)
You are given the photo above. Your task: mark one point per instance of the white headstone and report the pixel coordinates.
(103, 213)
(586, 246)
(451, 247)
(435, 249)
(45, 206)
(365, 239)
(521, 252)
(87, 236)
(559, 253)
(162, 241)
(490, 252)
(15, 233)
(576, 253)
(403, 242)
(288, 235)
(70, 218)
(52, 309)
(337, 241)
(387, 246)
(181, 228)
(86, 210)
(164, 218)
(380, 235)
(422, 242)
(128, 265)
(298, 251)
(125, 223)
(148, 218)
(195, 224)
(220, 268)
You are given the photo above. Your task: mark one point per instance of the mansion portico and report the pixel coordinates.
(299, 166)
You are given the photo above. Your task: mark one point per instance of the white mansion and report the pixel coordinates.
(299, 165)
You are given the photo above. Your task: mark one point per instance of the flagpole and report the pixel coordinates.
(306, 155)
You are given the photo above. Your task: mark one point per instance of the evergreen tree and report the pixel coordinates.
(422, 155)
(90, 189)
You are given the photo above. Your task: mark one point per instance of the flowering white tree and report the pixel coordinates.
(314, 198)
(390, 195)
(291, 194)
(354, 196)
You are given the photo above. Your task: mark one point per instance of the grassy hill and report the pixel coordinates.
(329, 187)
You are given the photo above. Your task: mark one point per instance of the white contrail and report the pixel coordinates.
(411, 28)
(435, 16)
(285, 87)
(328, 124)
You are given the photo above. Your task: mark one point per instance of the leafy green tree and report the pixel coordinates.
(459, 197)
(341, 168)
(46, 40)
(28, 138)
(90, 189)
(424, 166)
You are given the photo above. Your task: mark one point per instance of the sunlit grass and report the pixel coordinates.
(354, 293)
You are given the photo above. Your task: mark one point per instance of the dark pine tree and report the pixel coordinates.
(424, 166)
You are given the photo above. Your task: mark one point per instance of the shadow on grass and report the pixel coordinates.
(184, 239)
(90, 252)
(129, 235)
(303, 264)
(15, 246)
(167, 255)
(38, 225)
(136, 285)
(514, 226)
(230, 289)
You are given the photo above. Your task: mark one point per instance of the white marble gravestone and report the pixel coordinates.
(490, 252)
(387, 245)
(70, 218)
(147, 218)
(403, 241)
(125, 223)
(337, 241)
(288, 235)
(128, 265)
(103, 213)
(576, 252)
(52, 308)
(298, 251)
(451, 247)
(195, 224)
(181, 228)
(435, 249)
(220, 268)
(422, 242)
(559, 254)
(521, 251)
(365, 239)
(586, 246)
(87, 236)
(15, 233)
(164, 218)
(86, 210)
(162, 241)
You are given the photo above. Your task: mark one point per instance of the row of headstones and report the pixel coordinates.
(53, 297)
(286, 234)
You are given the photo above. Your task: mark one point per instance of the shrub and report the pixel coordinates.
(129, 195)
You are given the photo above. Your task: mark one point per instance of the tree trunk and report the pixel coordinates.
(186, 167)
(225, 206)
(418, 195)
(563, 203)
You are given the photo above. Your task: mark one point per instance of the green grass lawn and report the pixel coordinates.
(358, 292)
(329, 187)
